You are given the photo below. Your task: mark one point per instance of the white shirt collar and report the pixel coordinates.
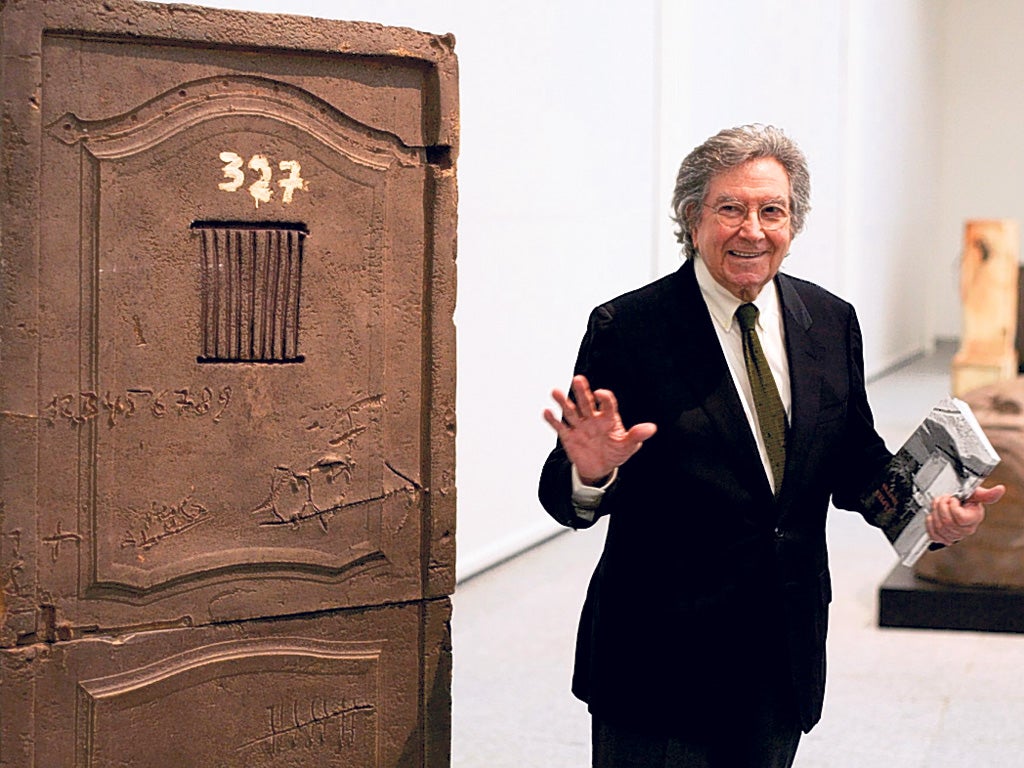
(722, 304)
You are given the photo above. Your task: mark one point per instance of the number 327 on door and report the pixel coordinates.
(262, 189)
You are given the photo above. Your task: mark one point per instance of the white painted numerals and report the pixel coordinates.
(293, 181)
(262, 189)
(232, 171)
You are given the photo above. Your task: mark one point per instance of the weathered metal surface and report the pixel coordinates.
(228, 288)
(227, 280)
(348, 688)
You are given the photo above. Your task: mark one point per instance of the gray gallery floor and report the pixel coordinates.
(908, 698)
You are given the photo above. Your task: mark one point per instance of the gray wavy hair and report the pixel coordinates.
(729, 149)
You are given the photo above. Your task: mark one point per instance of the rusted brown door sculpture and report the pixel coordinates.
(227, 476)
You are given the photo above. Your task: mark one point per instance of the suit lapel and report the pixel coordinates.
(703, 374)
(805, 375)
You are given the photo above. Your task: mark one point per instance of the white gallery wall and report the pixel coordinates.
(734, 62)
(981, 123)
(574, 117)
(854, 84)
(890, 177)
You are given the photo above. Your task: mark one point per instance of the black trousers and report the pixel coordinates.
(761, 730)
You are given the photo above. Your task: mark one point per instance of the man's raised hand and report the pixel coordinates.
(592, 433)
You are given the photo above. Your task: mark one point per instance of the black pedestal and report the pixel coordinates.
(904, 600)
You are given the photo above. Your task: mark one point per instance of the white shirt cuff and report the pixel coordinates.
(587, 498)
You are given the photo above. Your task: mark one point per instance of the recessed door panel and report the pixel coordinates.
(346, 688)
(241, 308)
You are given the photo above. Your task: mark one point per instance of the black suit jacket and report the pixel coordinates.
(706, 578)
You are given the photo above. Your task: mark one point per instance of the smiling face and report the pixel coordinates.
(743, 259)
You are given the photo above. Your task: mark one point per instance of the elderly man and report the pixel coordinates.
(702, 639)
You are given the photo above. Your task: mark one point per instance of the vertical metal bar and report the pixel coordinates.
(252, 295)
(275, 283)
(297, 269)
(229, 294)
(264, 305)
(237, 253)
(217, 278)
(204, 294)
(286, 299)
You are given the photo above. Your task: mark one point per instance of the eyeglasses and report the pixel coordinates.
(732, 214)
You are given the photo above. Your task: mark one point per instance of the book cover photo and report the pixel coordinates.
(948, 453)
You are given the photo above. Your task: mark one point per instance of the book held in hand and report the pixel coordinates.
(948, 453)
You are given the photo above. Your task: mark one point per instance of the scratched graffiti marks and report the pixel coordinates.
(16, 564)
(291, 499)
(291, 496)
(342, 424)
(162, 521)
(60, 536)
(317, 492)
(87, 406)
(320, 725)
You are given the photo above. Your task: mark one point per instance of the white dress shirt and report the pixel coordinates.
(722, 306)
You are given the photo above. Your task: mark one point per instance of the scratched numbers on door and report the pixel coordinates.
(261, 178)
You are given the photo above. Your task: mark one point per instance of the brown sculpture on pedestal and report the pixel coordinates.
(988, 290)
(994, 556)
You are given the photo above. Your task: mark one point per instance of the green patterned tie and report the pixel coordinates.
(771, 414)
